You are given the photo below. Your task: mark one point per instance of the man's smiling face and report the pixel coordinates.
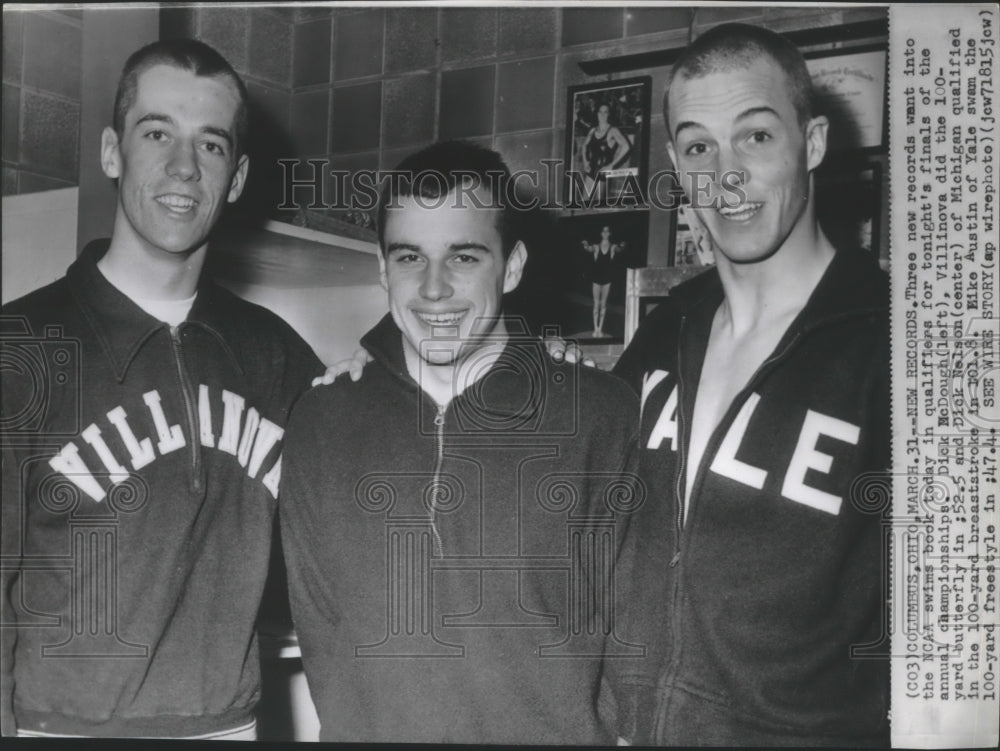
(742, 123)
(175, 160)
(444, 269)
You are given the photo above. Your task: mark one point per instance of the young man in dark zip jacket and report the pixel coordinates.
(454, 524)
(141, 465)
(764, 390)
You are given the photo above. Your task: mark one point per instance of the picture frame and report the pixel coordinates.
(607, 144)
(691, 245)
(849, 203)
(849, 88)
(585, 246)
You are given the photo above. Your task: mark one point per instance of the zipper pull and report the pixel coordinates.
(677, 557)
(439, 418)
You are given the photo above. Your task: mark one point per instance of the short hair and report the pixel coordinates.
(438, 170)
(186, 54)
(735, 45)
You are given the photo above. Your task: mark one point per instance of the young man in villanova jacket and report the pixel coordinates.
(143, 413)
(765, 401)
(455, 523)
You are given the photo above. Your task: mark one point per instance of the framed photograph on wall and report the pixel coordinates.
(849, 88)
(849, 203)
(607, 143)
(596, 251)
(692, 245)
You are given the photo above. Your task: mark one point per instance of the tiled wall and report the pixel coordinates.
(364, 87)
(400, 78)
(41, 99)
(274, 49)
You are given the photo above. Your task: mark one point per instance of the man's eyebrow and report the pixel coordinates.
(469, 246)
(762, 109)
(394, 247)
(156, 117)
(685, 124)
(218, 132)
(458, 247)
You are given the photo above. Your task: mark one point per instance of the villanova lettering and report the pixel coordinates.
(246, 435)
(804, 458)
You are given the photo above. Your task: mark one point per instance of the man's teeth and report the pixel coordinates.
(176, 202)
(441, 319)
(741, 212)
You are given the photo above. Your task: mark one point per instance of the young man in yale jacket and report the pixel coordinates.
(453, 522)
(143, 420)
(765, 401)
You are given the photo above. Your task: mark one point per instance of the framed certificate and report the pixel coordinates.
(849, 88)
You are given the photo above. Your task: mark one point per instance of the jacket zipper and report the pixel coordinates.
(436, 481)
(194, 433)
(681, 455)
(738, 403)
(712, 446)
(675, 613)
(716, 438)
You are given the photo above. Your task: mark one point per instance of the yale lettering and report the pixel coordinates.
(726, 463)
(807, 457)
(804, 457)
(666, 425)
(649, 382)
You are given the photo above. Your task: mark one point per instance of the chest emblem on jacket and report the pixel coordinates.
(804, 459)
(245, 435)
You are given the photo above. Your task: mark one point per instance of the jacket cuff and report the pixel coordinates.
(637, 714)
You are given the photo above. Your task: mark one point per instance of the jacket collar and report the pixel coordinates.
(853, 284)
(508, 389)
(385, 344)
(122, 327)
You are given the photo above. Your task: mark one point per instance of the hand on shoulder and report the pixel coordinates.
(353, 366)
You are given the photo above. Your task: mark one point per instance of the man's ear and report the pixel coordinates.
(514, 267)
(111, 156)
(239, 179)
(381, 271)
(816, 131)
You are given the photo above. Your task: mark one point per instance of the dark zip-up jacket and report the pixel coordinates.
(451, 570)
(140, 471)
(767, 603)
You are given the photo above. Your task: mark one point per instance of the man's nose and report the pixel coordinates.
(732, 168)
(435, 284)
(732, 176)
(183, 162)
